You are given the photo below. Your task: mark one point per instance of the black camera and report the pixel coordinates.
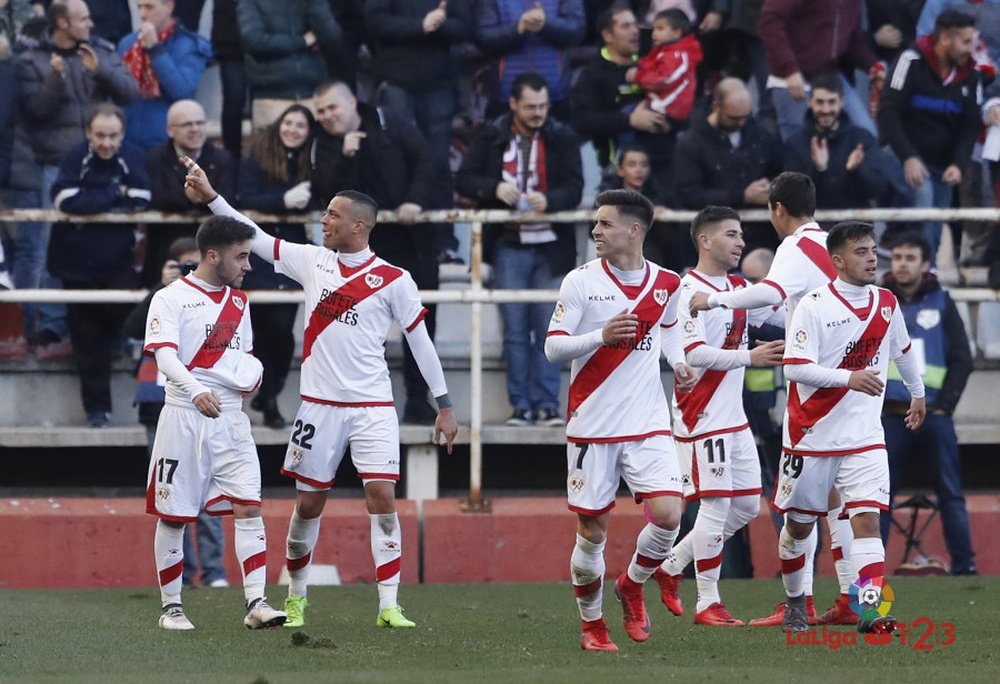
(187, 266)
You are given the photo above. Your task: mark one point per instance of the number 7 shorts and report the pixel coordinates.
(804, 483)
(199, 461)
(321, 434)
(649, 467)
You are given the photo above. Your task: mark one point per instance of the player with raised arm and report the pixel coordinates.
(801, 264)
(717, 451)
(840, 341)
(352, 298)
(611, 315)
(198, 328)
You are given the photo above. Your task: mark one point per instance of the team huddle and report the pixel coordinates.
(817, 313)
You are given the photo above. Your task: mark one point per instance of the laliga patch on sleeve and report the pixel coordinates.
(154, 325)
(800, 339)
(690, 329)
(559, 313)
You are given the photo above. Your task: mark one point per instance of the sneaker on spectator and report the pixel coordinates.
(220, 583)
(48, 346)
(98, 419)
(549, 418)
(520, 418)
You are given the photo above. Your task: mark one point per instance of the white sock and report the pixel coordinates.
(680, 556)
(868, 561)
(387, 552)
(793, 554)
(586, 569)
(168, 549)
(299, 545)
(841, 541)
(708, 541)
(251, 551)
(651, 548)
(809, 571)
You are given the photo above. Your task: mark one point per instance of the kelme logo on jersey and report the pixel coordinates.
(660, 296)
(373, 281)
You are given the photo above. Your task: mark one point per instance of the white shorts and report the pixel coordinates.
(804, 483)
(724, 464)
(648, 466)
(321, 433)
(199, 461)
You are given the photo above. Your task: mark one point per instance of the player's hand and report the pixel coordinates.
(87, 57)
(170, 272)
(915, 172)
(820, 152)
(699, 302)
(407, 213)
(952, 175)
(855, 158)
(916, 413)
(445, 424)
(767, 353)
(507, 193)
(352, 143)
(866, 382)
(685, 378)
(622, 326)
(196, 185)
(208, 404)
(537, 201)
(796, 85)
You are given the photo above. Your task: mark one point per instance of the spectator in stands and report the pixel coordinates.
(182, 258)
(61, 77)
(285, 44)
(166, 60)
(805, 39)
(842, 159)
(604, 105)
(985, 12)
(102, 174)
(893, 25)
(727, 159)
(229, 56)
(274, 178)
(186, 134)
(944, 355)
(356, 148)
(929, 113)
(529, 36)
(528, 161)
(667, 73)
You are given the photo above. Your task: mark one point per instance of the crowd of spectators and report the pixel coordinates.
(885, 102)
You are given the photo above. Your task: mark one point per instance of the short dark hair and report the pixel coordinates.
(914, 240)
(330, 84)
(709, 216)
(847, 231)
(181, 246)
(678, 19)
(57, 10)
(217, 232)
(527, 79)
(629, 203)
(795, 191)
(828, 81)
(365, 204)
(952, 19)
(106, 109)
(630, 148)
(606, 19)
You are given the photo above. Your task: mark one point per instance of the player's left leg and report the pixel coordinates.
(387, 551)
(841, 543)
(251, 551)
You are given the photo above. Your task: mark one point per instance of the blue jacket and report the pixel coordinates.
(97, 253)
(178, 62)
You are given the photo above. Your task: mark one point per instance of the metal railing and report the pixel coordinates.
(475, 295)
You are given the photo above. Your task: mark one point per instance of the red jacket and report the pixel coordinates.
(812, 36)
(667, 74)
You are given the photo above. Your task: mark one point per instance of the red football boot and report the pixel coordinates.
(839, 613)
(595, 637)
(716, 615)
(669, 584)
(777, 618)
(636, 620)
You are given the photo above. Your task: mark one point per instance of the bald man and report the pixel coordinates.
(756, 264)
(186, 136)
(727, 159)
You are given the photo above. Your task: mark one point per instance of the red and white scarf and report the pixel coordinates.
(536, 180)
(141, 67)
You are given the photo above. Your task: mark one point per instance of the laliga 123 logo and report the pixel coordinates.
(871, 598)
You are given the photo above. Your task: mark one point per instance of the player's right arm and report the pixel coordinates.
(786, 277)
(562, 343)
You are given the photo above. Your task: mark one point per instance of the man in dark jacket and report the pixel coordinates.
(102, 174)
(727, 159)
(939, 339)
(929, 113)
(528, 161)
(186, 137)
(357, 148)
(842, 159)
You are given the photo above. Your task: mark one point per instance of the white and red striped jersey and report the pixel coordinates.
(715, 404)
(801, 264)
(615, 392)
(828, 331)
(213, 337)
(348, 314)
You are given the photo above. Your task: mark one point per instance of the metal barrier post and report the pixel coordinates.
(475, 503)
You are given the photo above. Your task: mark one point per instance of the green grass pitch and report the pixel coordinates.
(479, 633)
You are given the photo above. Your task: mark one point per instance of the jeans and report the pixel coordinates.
(791, 113)
(234, 100)
(211, 544)
(937, 440)
(935, 193)
(274, 344)
(532, 381)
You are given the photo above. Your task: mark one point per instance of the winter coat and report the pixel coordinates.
(667, 75)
